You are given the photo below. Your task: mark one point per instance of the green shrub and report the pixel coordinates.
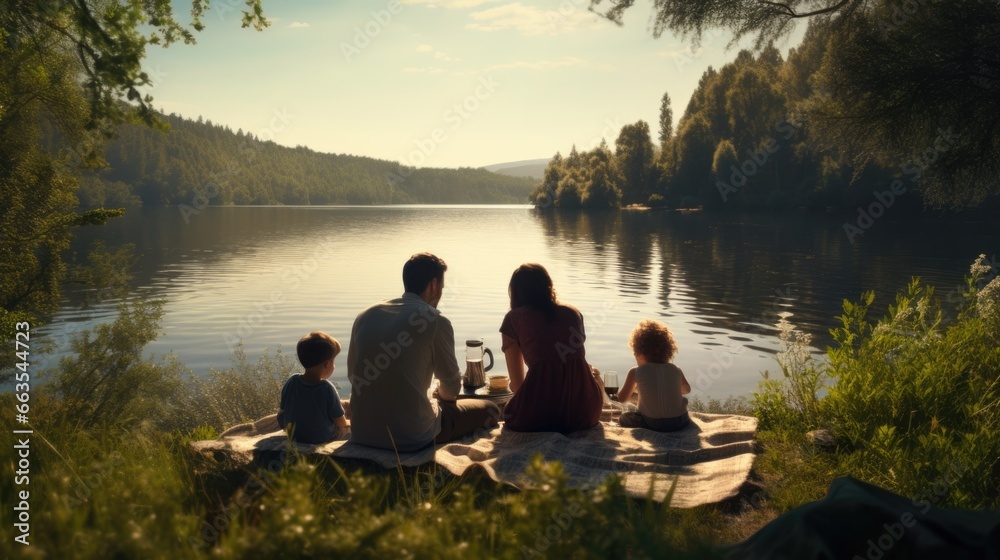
(105, 383)
(914, 400)
(918, 401)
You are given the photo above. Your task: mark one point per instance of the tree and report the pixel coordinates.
(754, 104)
(937, 77)
(666, 119)
(765, 21)
(634, 154)
(544, 194)
(573, 160)
(77, 66)
(569, 193)
(692, 154)
(601, 190)
(37, 199)
(724, 165)
(109, 41)
(895, 79)
(804, 61)
(571, 179)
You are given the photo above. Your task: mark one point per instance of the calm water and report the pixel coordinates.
(267, 275)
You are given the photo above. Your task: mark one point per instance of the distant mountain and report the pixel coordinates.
(533, 168)
(199, 163)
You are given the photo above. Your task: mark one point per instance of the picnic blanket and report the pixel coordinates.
(710, 459)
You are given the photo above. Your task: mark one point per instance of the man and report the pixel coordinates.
(396, 347)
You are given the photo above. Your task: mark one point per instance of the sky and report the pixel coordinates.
(432, 83)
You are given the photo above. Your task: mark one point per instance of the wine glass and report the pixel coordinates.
(611, 387)
(611, 384)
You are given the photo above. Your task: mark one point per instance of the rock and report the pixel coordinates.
(822, 438)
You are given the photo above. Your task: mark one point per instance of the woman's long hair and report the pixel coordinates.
(531, 285)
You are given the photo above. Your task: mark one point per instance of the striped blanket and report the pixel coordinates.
(710, 459)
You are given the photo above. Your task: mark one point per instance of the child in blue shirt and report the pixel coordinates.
(310, 406)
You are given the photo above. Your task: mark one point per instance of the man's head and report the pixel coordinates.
(423, 275)
(318, 350)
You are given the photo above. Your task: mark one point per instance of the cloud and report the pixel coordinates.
(441, 55)
(424, 48)
(295, 24)
(529, 20)
(423, 70)
(448, 4)
(679, 50)
(539, 65)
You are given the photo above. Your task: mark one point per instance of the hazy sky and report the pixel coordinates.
(443, 83)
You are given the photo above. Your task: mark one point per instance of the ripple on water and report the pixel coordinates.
(719, 288)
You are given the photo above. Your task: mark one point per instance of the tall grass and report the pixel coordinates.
(113, 476)
(243, 393)
(141, 493)
(793, 400)
(913, 398)
(104, 495)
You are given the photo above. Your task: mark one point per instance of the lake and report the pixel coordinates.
(268, 275)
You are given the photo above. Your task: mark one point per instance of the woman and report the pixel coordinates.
(558, 393)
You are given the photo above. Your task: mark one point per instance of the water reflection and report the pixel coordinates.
(739, 272)
(719, 281)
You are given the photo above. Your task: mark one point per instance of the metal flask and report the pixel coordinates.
(475, 373)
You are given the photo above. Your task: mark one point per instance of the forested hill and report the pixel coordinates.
(196, 158)
(771, 132)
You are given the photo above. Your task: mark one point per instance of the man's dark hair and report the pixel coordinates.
(420, 270)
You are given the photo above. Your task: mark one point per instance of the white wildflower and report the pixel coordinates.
(923, 306)
(988, 301)
(981, 267)
(903, 314)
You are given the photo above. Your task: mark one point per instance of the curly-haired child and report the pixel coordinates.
(659, 383)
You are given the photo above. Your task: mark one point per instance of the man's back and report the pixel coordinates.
(397, 347)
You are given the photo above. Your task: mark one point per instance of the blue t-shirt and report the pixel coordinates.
(311, 408)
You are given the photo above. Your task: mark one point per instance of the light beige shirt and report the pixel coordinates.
(397, 347)
(659, 388)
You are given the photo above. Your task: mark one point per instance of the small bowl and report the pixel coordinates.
(499, 383)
